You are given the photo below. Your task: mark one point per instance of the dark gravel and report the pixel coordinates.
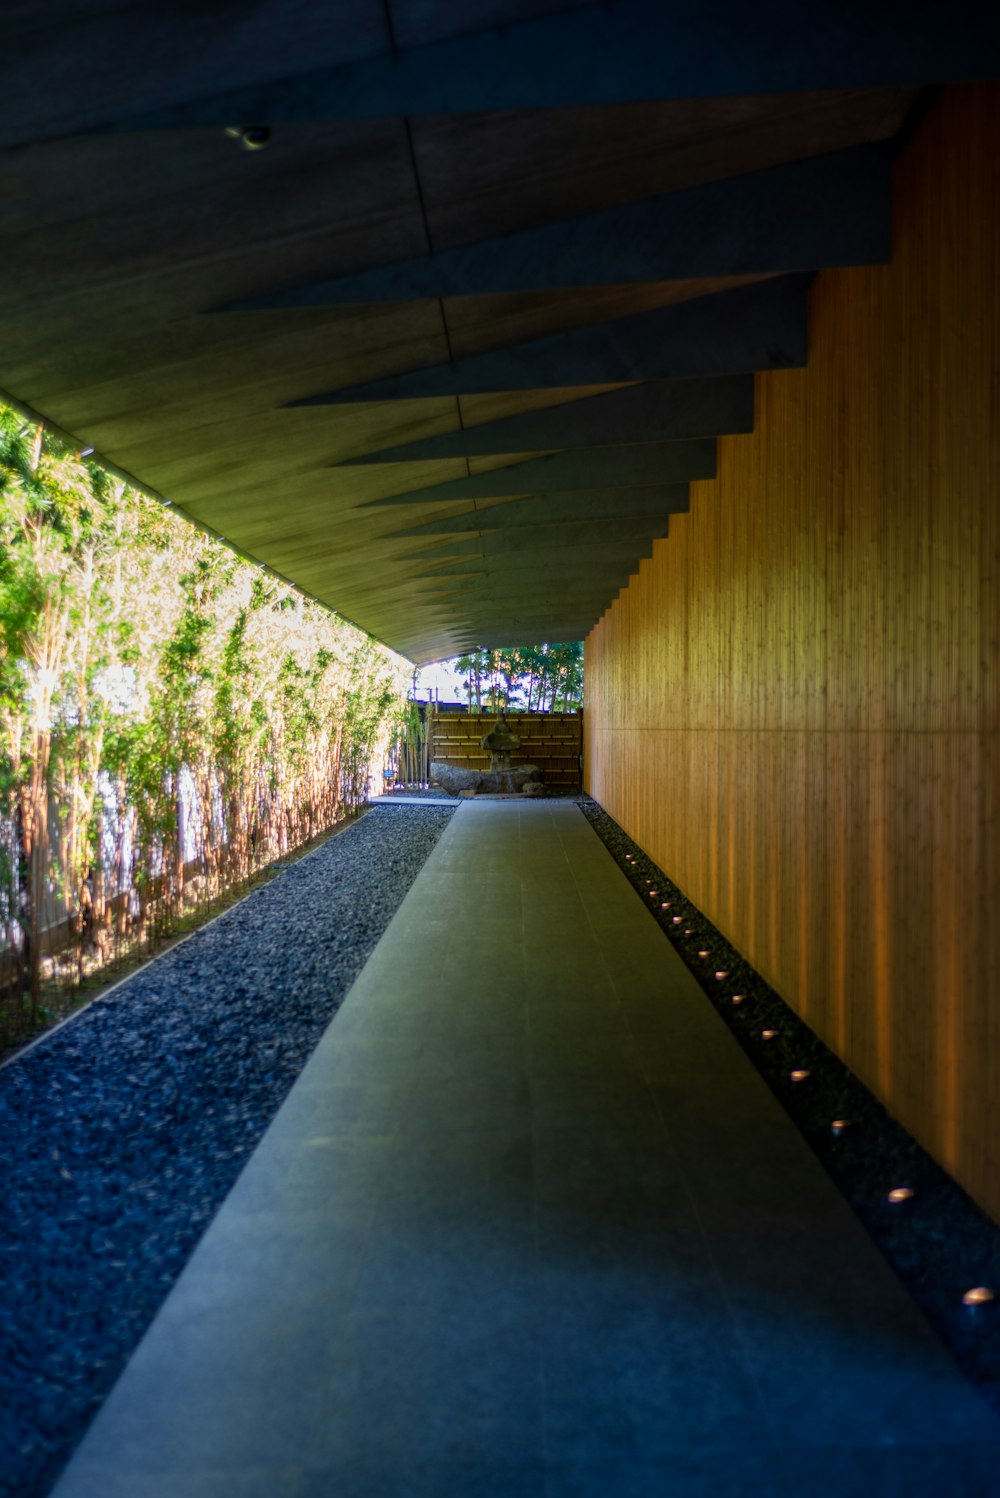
(123, 1131)
(939, 1242)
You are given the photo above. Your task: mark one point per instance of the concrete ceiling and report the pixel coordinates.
(448, 347)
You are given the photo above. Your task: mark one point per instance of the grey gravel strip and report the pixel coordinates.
(123, 1131)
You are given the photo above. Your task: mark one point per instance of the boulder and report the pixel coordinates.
(532, 788)
(455, 780)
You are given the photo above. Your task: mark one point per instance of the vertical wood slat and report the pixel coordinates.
(795, 705)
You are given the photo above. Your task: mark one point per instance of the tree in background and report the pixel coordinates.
(562, 676)
(471, 668)
(538, 678)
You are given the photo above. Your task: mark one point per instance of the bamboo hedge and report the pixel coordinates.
(171, 719)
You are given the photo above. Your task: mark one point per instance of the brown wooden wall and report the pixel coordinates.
(549, 740)
(794, 706)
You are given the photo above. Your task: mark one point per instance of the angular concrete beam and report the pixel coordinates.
(549, 549)
(524, 591)
(635, 49)
(642, 463)
(733, 332)
(498, 629)
(494, 616)
(497, 626)
(592, 563)
(657, 411)
(565, 537)
(500, 592)
(496, 619)
(804, 215)
(550, 570)
(572, 504)
(506, 608)
(523, 587)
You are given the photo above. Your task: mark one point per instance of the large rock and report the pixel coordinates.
(455, 780)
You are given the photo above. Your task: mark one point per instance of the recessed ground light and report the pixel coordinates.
(900, 1194)
(253, 137)
(839, 1125)
(688, 931)
(798, 1076)
(704, 954)
(665, 905)
(767, 1034)
(653, 894)
(981, 1295)
(737, 998)
(719, 977)
(677, 920)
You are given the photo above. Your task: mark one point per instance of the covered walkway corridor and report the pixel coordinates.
(672, 329)
(530, 1226)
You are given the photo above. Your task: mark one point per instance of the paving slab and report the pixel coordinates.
(530, 1224)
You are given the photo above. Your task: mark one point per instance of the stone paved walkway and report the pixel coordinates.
(530, 1226)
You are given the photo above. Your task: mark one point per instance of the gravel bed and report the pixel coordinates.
(938, 1241)
(124, 1130)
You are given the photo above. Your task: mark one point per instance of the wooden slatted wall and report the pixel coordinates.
(549, 740)
(794, 706)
